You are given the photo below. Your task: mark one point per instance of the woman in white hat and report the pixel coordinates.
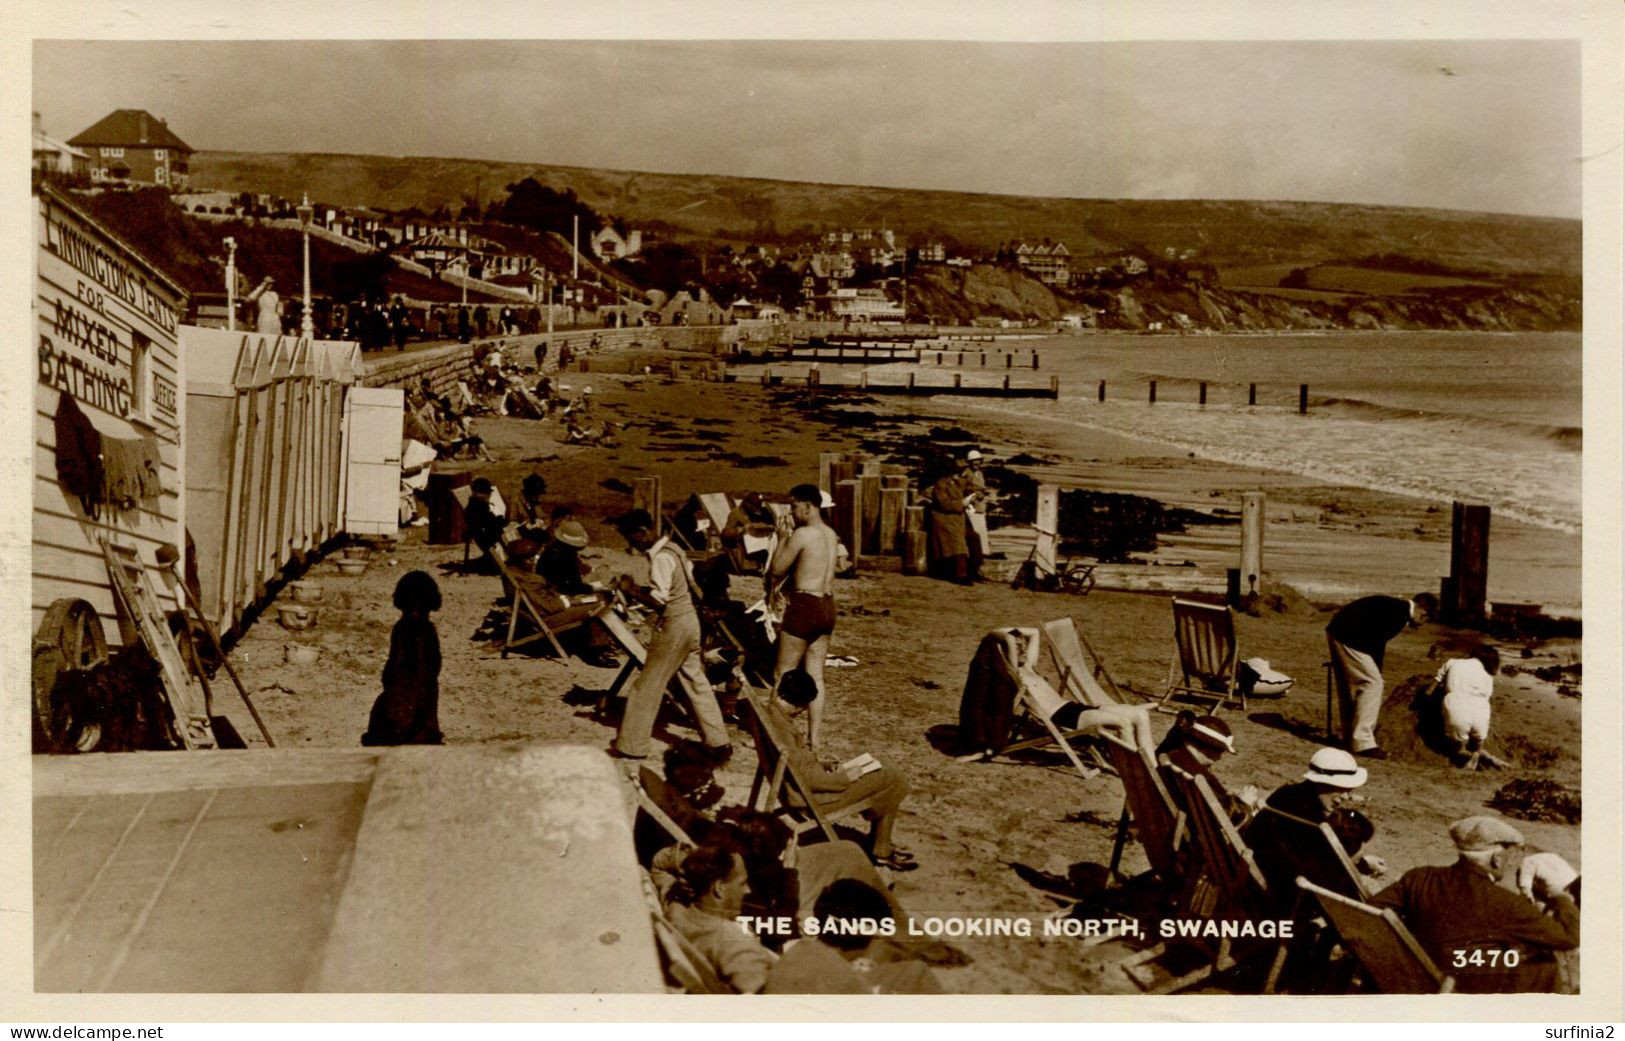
(1277, 838)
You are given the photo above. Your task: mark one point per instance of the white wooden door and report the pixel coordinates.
(372, 421)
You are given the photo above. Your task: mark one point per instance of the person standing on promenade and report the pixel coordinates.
(1357, 636)
(949, 551)
(806, 560)
(462, 324)
(268, 317)
(676, 647)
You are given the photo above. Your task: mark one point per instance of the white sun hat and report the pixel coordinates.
(1335, 767)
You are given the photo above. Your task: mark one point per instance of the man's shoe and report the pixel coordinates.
(1372, 753)
(720, 754)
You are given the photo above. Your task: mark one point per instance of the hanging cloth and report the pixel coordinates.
(78, 455)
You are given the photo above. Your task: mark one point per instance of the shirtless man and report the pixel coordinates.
(806, 556)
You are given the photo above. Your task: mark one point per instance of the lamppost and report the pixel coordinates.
(307, 325)
(231, 283)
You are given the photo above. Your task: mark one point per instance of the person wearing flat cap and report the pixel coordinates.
(1276, 837)
(1469, 923)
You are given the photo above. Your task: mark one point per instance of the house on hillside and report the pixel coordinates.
(860, 305)
(838, 266)
(54, 158)
(932, 253)
(609, 244)
(133, 146)
(1050, 264)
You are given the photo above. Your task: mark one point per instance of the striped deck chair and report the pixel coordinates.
(1205, 656)
(1387, 952)
(1227, 865)
(1158, 821)
(1083, 673)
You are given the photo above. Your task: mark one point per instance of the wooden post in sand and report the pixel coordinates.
(1252, 543)
(869, 510)
(848, 517)
(1102, 393)
(891, 518)
(1047, 519)
(1465, 590)
(1153, 399)
(826, 469)
(1252, 393)
(914, 540)
(646, 496)
(1201, 393)
(1303, 399)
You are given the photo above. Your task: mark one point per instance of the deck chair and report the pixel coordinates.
(1227, 865)
(657, 799)
(1082, 671)
(1206, 655)
(777, 780)
(1385, 949)
(1033, 694)
(540, 614)
(1318, 851)
(685, 967)
(627, 640)
(1146, 802)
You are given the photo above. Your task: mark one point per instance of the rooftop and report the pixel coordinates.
(130, 128)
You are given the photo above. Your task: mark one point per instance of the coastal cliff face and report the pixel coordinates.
(963, 294)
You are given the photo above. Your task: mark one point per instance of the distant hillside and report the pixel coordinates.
(705, 206)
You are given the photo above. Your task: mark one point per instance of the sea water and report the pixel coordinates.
(1477, 417)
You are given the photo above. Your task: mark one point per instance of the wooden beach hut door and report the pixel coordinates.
(373, 420)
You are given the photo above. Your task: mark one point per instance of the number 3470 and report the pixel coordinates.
(1480, 958)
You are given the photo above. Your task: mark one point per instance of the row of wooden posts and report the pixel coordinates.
(815, 378)
(1201, 394)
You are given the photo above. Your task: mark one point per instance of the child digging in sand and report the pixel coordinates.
(1467, 684)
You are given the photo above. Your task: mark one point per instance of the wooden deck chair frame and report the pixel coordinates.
(1206, 654)
(776, 778)
(520, 604)
(1390, 956)
(1223, 858)
(652, 794)
(1319, 841)
(1054, 734)
(1159, 821)
(1082, 671)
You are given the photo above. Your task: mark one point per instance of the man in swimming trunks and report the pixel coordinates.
(805, 560)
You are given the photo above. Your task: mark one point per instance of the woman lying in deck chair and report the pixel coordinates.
(1128, 725)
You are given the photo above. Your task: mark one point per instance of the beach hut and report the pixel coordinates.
(263, 457)
(108, 471)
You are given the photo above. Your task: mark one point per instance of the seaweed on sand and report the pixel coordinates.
(1537, 799)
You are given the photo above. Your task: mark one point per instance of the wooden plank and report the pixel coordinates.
(849, 516)
(1252, 542)
(890, 522)
(870, 491)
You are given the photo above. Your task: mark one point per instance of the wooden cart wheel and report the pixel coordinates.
(70, 638)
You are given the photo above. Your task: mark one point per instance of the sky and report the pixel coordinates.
(1489, 125)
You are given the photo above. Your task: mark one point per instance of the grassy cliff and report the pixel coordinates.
(705, 206)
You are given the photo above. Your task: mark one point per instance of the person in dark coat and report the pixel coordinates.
(1469, 923)
(408, 711)
(462, 324)
(1357, 636)
(949, 551)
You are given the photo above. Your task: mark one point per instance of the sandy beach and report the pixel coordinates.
(992, 838)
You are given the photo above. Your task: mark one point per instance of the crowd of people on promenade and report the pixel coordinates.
(377, 322)
(761, 667)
